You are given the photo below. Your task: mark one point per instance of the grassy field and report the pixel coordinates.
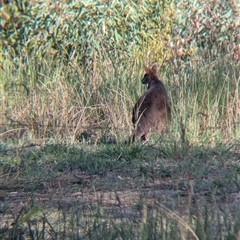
(69, 172)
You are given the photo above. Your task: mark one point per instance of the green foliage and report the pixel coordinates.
(209, 28)
(81, 30)
(106, 32)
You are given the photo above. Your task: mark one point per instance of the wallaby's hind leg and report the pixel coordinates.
(142, 136)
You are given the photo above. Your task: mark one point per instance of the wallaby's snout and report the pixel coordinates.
(152, 111)
(145, 79)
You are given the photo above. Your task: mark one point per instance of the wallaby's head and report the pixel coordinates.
(150, 74)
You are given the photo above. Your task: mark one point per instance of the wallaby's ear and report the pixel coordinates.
(154, 68)
(147, 69)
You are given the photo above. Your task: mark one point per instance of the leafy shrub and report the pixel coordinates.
(83, 30)
(92, 31)
(212, 28)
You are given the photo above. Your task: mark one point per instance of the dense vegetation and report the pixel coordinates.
(70, 74)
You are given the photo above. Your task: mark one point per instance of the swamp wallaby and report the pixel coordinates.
(152, 111)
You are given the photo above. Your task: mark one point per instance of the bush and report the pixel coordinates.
(212, 28)
(83, 30)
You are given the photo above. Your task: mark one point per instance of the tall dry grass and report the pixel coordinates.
(52, 99)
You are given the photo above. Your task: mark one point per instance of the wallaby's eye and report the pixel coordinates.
(145, 77)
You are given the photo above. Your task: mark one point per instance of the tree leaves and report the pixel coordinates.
(106, 26)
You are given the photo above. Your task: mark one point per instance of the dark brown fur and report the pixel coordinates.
(152, 112)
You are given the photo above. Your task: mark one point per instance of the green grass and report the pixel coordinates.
(69, 172)
(121, 191)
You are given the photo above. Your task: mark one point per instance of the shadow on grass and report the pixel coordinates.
(120, 191)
